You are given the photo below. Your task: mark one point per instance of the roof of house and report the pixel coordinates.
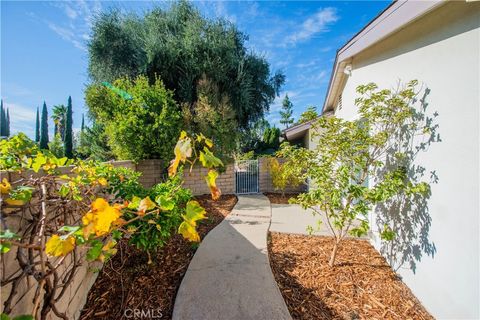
(298, 130)
(395, 17)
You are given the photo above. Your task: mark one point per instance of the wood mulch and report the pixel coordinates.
(360, 286)
(127, 283)
(277, 198)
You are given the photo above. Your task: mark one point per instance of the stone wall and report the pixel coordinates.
(195, 180)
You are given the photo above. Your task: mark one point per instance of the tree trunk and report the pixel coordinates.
(331, 263)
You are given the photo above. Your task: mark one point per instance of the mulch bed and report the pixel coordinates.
(360, 286)
(127, 282)
(277, 198)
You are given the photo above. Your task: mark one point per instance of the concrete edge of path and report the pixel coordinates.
(230, 276)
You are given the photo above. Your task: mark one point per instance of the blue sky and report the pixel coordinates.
(44, 55)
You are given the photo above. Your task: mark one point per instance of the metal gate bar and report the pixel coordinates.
(246, 177)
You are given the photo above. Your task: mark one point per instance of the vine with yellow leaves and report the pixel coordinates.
(57, 209)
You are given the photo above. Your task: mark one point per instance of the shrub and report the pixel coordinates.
(143, 127)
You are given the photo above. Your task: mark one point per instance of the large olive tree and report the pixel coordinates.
(180, 46)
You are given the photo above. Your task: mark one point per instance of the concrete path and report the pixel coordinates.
(230, 277)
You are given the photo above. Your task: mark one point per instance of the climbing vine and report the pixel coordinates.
(57, 213)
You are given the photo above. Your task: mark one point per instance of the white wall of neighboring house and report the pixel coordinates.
(442, 51)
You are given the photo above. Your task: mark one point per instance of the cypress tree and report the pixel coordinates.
(68, 142)
(3, 121)
(83, 122)
(37, 127)
(44, 128)
(8, 122)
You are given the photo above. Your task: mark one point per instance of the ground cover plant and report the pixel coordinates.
(349, 169)
(80, 215)
(361, 286)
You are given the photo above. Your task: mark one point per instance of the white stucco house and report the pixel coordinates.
(437, 43)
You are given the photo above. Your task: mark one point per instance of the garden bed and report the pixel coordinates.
(277, 198)
(128, 283)
(360, 286)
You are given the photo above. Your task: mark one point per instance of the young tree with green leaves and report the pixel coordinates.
(68, 137)
(308, 115)
(44, 128)
(347, 169)
(37, 127)
(286, 112)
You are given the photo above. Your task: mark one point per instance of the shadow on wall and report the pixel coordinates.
(408, 215)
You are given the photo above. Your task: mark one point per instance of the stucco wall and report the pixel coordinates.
(441, 50)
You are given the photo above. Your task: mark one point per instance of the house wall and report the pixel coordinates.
(441, 50)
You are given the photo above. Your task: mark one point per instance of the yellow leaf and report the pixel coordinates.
(103, 182)
(57, 246)
(211, 178)
(193, 212)
(5, 186)
(145, 205)
(188, 232)
(100, 218)
(183, 150)
(13, 202)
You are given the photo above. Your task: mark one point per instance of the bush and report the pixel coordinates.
(145, 127)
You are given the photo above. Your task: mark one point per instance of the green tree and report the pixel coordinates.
(56, 146)
(308, 115)
(145, 127)
(44, 128)
(37, 127)
(271, 138)
(213, 116)
(346, 164)
(8, 122)
(180, 46)
(93, 144)
(3, 121)
(68, 137)
(83, 122)
(286, 112)
(59, 116)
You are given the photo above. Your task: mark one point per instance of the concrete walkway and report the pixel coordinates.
(230, 277)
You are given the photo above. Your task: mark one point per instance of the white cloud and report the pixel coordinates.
(79, 18)
(315, 24)
(22, 119)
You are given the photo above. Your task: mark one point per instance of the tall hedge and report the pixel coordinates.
(44, 128)
(68, 141)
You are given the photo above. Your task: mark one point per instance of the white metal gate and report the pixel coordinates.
(246, 176)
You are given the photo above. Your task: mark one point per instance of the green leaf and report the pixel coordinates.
(165, 203)
(23, 317)
(95, 251)
(208, 160)
(64, 190)
(39, 161)
(5, 247)
(69, 229)
(22, 193)
(134, 203)
(4, 317)
(7, 234)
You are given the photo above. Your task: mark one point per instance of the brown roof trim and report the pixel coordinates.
(394, 17)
